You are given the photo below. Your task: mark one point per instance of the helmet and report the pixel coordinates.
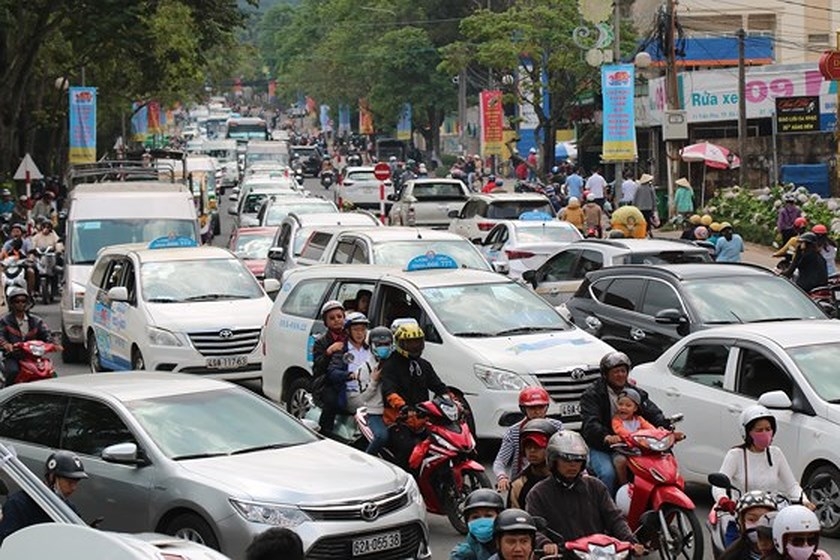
(793, 519)
(514, 520)
(491, 178)
(753, 413)
(800, 222)
(755, 498)
(5, 192)
(819, 229)
(66, 465)
(17, 225)
(695, 219)
(539, 428)
(789, 197)
(355, 318)
(808, 237)
(392, 158)
(532, 151)
(706, 220)
(724, 225)
(568, 446)
(483, 498)
(408, 331)
(380, 336)
(533, 396)
(15, 291)
(329, 306)
(614, 359)
(701, 233)
(715, 226)
(555, 169)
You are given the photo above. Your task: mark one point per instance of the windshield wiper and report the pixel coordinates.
(199, 456)
(261, 448)
(210, 297)
(162, 299)
(774, 319)
(525, 330)
(473, 334)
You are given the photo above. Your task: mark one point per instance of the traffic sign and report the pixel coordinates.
(27, 170)
(382, 171)
(830, 65)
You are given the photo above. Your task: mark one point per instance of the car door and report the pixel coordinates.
(31, 423)
(555, 279)
(283, 238)
(117, 493)
(461, 223)
(493, 245)
(654, 338)
(132, 316)
(109, 320)
(344, 249)
(614, 315)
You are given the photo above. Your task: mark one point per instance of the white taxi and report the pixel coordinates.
(486, 335)
(173, 306)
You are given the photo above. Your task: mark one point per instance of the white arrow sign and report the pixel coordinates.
(27, 166)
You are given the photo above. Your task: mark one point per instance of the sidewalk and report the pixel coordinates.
(753, 252)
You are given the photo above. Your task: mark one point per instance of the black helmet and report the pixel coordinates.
(380, 336)
(483, 498)
(808, 237)
(17, 225)
(614, 359)
(514, 521)
(65, 465)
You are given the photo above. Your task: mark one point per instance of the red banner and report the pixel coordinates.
(492, 122)
(365, 118)
(154, 117)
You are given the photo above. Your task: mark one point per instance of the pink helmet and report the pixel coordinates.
(701, 233)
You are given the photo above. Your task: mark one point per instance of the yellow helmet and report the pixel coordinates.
(714, 226)
(725, 225)
(408, 331)
(706, 220)
(695, 219)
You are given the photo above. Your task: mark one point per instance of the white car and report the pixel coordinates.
(482, 212)
(359, 187)
(486, 335)
(179, 309)
(428, 202)
(527, 244)
(275, 209)
(788, 366)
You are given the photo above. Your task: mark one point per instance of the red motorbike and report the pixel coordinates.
(598, 547)
(444, 461)
(658, 486)
(33, 362)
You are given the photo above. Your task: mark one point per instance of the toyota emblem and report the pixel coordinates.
(370, 511)
(578, 374)
(225, 333)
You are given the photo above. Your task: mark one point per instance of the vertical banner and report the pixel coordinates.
(154, 117)
(365, 118)
(492, 123)
(272, 91)
(326, 121)
(619, 140)
(82, 125)
(311, 106)
(344, 119)
(139, 122)
(404, 124)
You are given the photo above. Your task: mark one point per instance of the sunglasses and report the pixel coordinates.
(810, 540)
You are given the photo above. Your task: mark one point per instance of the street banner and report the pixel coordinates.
(798, 114)
(272, 91)
(326, 121)
(492, 123)
(139, 122)
(617, 90)
(82, 125)
(154, 117)
(311, 106)
(404, 124)
(344, 119)
(365, 118)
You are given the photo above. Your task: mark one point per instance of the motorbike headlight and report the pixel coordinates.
(78, 294)
(499, 379)
(270, 514)
(660, 444)
(161, 337)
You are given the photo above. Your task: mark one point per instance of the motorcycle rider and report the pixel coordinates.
(369, 394)
(45, 207)
(813, 270)
(748, 512)
(20, 247)
(7, 203)
(480, 509)
(62, 473)
(534, 441)
(343, 375)
(533, 403)
(515, 535)
(18, 326)
(828, 248)
(796, 535)
(574, 505)
(598, 405)
(329, 343)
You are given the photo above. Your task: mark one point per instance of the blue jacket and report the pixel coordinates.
(471, 549)
(21, 511)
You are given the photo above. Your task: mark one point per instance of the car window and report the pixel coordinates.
(469, 209)
(361, 176)
(91, 426)
(438, 191)
(559, 267)
(702, 363)
(758, 374)
(305, 299)
(347, 293)
(34, 418)
(589, 261)
(114, 275)
(360, 255)
(493, 236)
(624, 293)
(252, 203)
(283, 236)
(98, 274)
(343, 251)
(668, 257)
(129, 280)
(314, 246)
(512, 209)
(396, 303)
(818, 363)
(659, 296)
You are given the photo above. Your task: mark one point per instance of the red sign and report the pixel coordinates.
(382, 171)
(492, 122)
(830, 65)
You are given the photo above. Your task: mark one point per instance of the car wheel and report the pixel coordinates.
(299, 398)
(94, 359)
(827, 498)
(137, 361)
(191, 527)
(71, 353)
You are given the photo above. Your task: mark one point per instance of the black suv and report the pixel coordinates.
(642, 310)
(309, 158)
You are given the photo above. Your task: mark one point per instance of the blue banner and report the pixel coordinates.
(82, 130)
(139, 122)
(326, 121)
(404, 124)
(344, 119)
(617, 88)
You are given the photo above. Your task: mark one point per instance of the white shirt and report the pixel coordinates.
(595, 185)
(760, 475)
(628, 190)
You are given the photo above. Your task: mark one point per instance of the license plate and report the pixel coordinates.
(227, 362)
(570, 409)
(376, 543)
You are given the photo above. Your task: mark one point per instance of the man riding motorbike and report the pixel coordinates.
(20, 247)
(18, 326)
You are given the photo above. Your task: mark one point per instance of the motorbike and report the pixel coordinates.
(327, 179)
(658, 486)
(444, 461)
(33, 362)
(47, 263)
(14, 274)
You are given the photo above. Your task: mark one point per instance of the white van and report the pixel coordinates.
(112, 213)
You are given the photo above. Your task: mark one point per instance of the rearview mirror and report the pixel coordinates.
(118, 293)
(271, 285)
(232, 210)
(392, 197)
(277, 253)
(530, 276)
(775, 400)
(453, 214)
(501, 267)
(123, 454)
(670, 316)
(720, 480)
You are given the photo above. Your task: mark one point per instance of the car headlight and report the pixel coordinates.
(78, 295)
(414, 492)
(270, 514)
(499, 379)
(161, 337)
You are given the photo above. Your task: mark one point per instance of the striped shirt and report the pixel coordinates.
(509, 456)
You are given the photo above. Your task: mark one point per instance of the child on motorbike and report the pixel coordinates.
(796, 535)
(343, 369)
(626, 421)
(534, 438)
(323, 349)
(367, 392)
(748, 512)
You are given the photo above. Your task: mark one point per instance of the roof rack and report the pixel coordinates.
(120, 170)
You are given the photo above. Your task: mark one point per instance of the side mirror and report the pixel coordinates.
(453, 214)
(123, 454)
(392, 197)
(236, 189)
(232, 210)
(530, 276)
(720, 480)
(118, 293)
(670, 316)
(501, 267)
(775, 400)
(277, 254)
(411, 199)
(233, 197)
(271, 285)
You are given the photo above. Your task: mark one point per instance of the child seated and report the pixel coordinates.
(626, 421)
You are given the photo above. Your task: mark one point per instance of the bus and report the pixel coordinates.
(247, 128)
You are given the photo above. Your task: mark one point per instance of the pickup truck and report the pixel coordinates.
(428, 202)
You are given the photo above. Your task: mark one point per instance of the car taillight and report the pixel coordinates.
(513, 255)
(485, 226)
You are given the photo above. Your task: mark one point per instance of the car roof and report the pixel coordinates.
(406, 233)
(787, 334)
(127, 187)
(331, 219)
(420, 279)
(144, 254)
(643, 245)
(504, 196)
(685, 271)
(422, 180)
(519, 224)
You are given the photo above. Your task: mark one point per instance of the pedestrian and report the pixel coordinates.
(592, 216)
(574, 184)
(596, 184)
(572, 213)
(629, 187)
(532, 164)
(277, 543)
(684, 197)
(788, 213)
(729, 246)
(645, 201)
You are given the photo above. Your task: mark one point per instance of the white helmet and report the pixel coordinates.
(793, 519)
(753, 413)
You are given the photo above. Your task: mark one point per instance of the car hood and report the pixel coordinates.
(315, 473)
(230, 314)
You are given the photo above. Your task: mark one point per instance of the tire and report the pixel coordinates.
(137, 361)
(191, 527)
(94, 359)
(46, 290)
(298, 398)
(71, 353)
(453, 500)
(684, 540)
(827, 498)
(217, 226)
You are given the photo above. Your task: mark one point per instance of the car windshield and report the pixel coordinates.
(89, 236)
(728, 299)
(251, 246)
(219, 422)
(280, 158)
(512, 209)
(197, 280)
(667, 257)
(507, 309)
(362, 176)
(398, 253)
(818, 363)
(277, 212)
(547, 234)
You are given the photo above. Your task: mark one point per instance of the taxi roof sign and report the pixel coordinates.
(431, 261)
(172, 242)
(535, 216)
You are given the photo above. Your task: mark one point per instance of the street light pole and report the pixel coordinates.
(742, 106)
(619, 167)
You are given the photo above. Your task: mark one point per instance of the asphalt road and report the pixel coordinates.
(443, 536)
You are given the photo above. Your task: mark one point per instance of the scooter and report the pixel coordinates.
(47, 273)
(657, 485)
(33, 363)
(327, 179)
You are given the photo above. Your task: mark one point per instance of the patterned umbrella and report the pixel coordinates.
(712, 155)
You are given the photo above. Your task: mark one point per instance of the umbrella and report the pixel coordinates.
(712, 155)
(565, 150)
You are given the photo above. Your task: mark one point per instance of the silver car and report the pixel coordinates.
(211, 462)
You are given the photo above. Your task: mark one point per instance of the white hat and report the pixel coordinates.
(590, 197)
(422, 168)
(645, 178)
(533, 150)
(682, 182)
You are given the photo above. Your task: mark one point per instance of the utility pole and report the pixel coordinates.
(462, 108)
(673, 103)
(616, 59)
(742, 106)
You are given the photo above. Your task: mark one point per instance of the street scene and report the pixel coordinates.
(505, 280)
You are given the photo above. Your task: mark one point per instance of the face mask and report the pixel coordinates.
(761, 439)
(382, 352)
(481, 529)
(799, 552)
(752, 535)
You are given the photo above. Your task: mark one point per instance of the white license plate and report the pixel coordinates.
(570, 409)
(376, 543)
(227, 362)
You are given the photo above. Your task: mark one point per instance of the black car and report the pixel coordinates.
(643, 309)
(309, 158)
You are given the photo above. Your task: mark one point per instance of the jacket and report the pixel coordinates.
(619, 429)
(401, 387)
(522, 486)
(471, 549)
(684, 200)
(21, 511)
(645, 198)
(596, 414)
(573, 214)
(10, 330)
(320, 360)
